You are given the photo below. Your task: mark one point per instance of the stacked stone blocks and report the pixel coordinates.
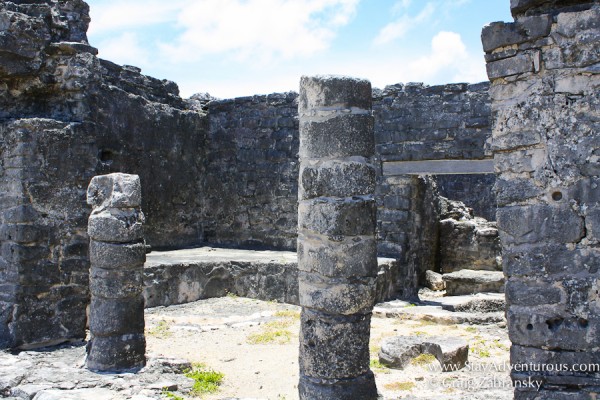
(117, 255)
(337, 249)
(545, 93)
(43, 256)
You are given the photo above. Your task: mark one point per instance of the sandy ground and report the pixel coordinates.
(222, 333)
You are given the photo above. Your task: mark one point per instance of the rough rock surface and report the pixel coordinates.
(183, 276)
(467, 242)
(467, 281)
(337, 251)
(451, 352)
(117, 255)
(434, 281)
(546, 99)
(58, 373)
(66, 116)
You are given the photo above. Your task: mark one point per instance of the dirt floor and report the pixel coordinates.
(255, 344)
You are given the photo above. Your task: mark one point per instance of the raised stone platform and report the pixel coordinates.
(468, 281)
(183, 276)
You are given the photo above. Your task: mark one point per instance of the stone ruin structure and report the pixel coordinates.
(526, 143)
(117, 255)
(337, 250)
(545, 96)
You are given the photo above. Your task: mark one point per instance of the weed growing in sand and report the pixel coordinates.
(479, 348)
(269, 336)
(206, 380)
(471, 329)
(378, 367)
(171, 395)
(162, 330)
(276, 331)
(400, 386)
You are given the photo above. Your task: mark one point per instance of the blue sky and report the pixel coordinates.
(232, 48)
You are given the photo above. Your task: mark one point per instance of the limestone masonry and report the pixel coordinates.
(472, 187)
(337, 250)
(117, 255)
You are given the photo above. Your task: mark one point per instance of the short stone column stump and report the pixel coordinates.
(117, 256)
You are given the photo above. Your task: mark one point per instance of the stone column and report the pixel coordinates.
(545, 93)
(117, 255)
(337, 250)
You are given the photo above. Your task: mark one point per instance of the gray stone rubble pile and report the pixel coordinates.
(58, 374)
(469, 257)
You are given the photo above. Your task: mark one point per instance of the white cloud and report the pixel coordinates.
(258, 31)
(399, 28)
(124, 49)
(113, 15)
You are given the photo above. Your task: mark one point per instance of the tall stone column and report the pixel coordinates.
(544, 68)
(117, 256)
(337, 250)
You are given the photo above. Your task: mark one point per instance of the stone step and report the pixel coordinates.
(480, 302)
(468, 281)
(433, 311)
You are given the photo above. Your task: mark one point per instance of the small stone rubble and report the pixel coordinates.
(59, 373)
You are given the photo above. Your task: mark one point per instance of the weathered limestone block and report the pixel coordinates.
(336, 296)
(468, 281)
(336, 221)
(351, 257)
(330, 339)
(434, 281)
(117, 255)
(451, 352)
(546, 108)
(471, 244)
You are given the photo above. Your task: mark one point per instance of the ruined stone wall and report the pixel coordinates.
(546, 109)
(476, 191)
(143, 127)
(418, 123)
(65, 116)
(251, 180)
(252, 166)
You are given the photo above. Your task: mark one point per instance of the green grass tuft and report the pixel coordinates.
(377, 366)
(162, 330)
(423, 359)
(278, 336)
(171, 395)
(206, 380)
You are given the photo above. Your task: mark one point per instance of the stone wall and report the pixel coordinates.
(417, 123)
(224, 173)
(144, 128)
(65, 116)
(43, 258)
(252, 160)
(251, 179)
(546, 109)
